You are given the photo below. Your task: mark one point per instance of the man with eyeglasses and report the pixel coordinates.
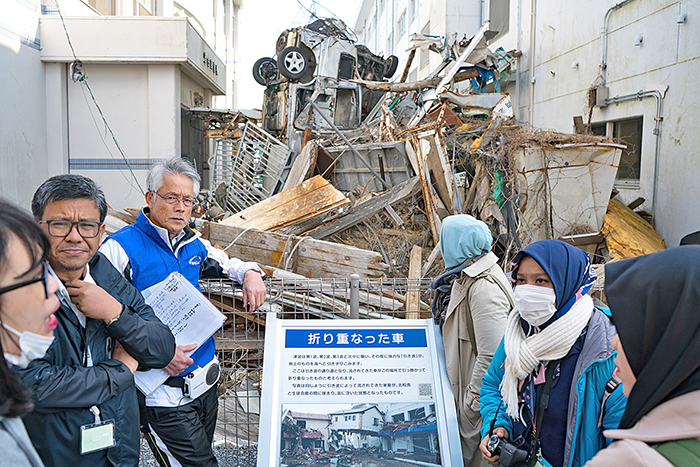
(179, 429)
(85, 399)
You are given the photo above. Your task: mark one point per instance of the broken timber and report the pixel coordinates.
(627, 234)
(308, 199)
(415, 85)
(309, 257)
(362, 211)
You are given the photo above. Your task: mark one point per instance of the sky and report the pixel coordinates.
(262, 21)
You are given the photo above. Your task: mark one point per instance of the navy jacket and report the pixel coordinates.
(64, 389)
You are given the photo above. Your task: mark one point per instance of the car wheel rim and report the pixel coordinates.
(294, 62)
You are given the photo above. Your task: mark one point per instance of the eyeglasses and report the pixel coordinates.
(171, 199)
(44, 277)
(61, 228)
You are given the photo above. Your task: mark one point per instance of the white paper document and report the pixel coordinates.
(189, 315)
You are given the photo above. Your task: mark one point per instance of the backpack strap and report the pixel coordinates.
(681, 453)
(470, 322)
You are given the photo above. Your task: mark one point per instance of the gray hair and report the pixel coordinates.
(174, 166)
(65, 187)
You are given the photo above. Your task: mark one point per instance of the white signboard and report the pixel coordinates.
(359, 388)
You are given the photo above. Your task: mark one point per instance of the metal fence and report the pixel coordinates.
(252, 164)
(240, 341)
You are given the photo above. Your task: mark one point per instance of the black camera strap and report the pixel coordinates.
(544, 403)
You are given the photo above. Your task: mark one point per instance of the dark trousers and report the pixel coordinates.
(187, 431)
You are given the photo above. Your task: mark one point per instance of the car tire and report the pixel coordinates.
(293, 63)
(390, 65)
(264, 70)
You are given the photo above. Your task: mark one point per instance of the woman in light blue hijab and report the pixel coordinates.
(472, 302)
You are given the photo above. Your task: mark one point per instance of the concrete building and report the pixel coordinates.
(411, 429)
(642, 55)
(313, 431)
(146, 63)
(358, 426)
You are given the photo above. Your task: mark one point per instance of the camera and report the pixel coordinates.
(201, 379)
(510, 456)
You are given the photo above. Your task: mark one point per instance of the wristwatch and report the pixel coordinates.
(113, 320)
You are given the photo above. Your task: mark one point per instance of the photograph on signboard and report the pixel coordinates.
(386, 434)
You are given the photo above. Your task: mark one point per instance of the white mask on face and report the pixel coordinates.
(31, 346)
(535, 303)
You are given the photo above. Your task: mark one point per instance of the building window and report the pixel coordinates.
(630, 132)
(432, 408)
(416, 414)
(399, 417)
(353, 417)
(390, 44)
(402, 24)
(301, 423)
(499, 15)
(414, 9)
(336, 418)
(376, 421)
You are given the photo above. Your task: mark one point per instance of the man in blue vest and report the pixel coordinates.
(159, 243)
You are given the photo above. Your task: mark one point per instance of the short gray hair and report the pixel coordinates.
(174, 166)
(66, 187)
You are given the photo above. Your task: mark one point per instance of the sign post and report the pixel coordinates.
(367, 389)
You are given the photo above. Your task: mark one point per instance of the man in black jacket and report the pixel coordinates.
(86, 411)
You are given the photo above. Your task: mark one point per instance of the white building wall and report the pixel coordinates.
(46, 122)
(668, 56)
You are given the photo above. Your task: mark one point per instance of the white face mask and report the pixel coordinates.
(535, 303)
(31, 346)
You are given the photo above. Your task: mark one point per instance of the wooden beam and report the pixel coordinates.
(313, 258)
(362, 211)
(298, 203)
(413, 294)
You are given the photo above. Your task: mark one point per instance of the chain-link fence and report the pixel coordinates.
(240, 341)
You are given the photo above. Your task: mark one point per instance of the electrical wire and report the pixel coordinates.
(78, 75)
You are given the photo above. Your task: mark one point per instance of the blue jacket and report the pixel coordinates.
(151, 260)
(594, 369)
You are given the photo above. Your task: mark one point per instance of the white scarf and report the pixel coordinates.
(554, 342)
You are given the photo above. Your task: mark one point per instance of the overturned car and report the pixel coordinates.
(318, 62)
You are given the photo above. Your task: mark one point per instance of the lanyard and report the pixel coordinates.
(542, 406)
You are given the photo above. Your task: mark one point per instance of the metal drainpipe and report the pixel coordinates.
(604, 40)
(657, 131)
(531, 98)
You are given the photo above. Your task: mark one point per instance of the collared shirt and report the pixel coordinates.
(64, 297)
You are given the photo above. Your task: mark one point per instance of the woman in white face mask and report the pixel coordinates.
(545, 390)
(27, 321)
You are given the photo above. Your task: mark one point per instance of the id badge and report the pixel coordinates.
(96, 436)
(542, 462)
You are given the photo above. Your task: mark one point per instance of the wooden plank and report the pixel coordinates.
(413, 296)
(303, 164)
(360, 212)
(394, 216)
(308, 199)
(431, 259)
(415, 156)
(314, 258)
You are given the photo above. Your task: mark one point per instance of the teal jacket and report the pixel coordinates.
(594, 368)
